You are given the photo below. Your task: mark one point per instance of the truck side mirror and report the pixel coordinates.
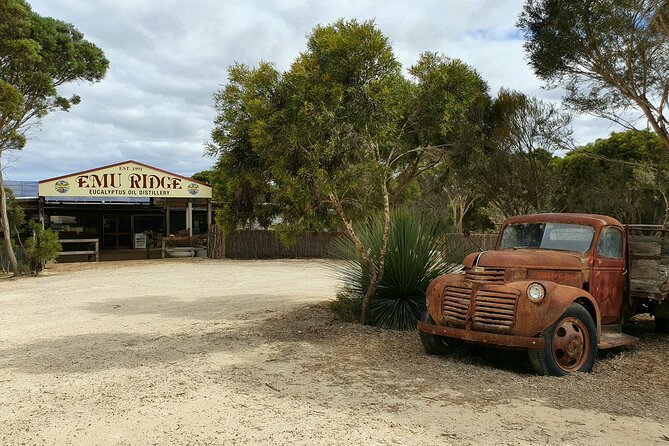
(466, 233)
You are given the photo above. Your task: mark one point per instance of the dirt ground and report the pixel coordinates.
(199, 352)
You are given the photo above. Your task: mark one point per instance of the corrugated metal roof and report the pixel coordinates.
(29, 189)
(23, 188)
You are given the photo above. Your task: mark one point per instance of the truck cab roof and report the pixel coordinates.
(588, 219)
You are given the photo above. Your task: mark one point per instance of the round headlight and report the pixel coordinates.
(536, 292)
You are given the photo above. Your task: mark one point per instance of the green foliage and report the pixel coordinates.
(41, 248)
(519, 166)
(610, 176)
(343, 119)
(449, 104)
(347, 305)
(205, 176)
(241, 178)
(37, 56)
(339, 119)
(15, 213)
(414, 258)
(609, 55)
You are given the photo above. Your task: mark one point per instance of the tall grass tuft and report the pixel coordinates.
(415, 256)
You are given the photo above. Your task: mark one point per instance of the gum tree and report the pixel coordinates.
(37, 56)
(340, 135)
(611, 56)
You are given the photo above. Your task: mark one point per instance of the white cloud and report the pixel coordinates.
(168, 58)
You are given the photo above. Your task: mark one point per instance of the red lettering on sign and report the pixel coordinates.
(134, 181)
(99, 181)
(154, 182)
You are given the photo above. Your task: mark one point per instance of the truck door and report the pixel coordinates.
(607, 279)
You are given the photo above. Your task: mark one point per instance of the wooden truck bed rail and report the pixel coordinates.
(648, 254)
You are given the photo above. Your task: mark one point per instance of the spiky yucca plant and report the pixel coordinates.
(414, 258)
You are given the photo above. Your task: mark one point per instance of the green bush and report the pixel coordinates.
(42, 247)
(347, 305)
(414, 258)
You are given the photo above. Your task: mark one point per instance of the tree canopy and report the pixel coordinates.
(611, 56)
(342, 134)
(623, 175)
(37, 55)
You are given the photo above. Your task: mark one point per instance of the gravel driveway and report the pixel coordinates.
(200, 352)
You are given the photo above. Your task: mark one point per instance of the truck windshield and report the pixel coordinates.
(557, 236)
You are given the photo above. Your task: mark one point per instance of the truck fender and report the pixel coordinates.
(558, 299)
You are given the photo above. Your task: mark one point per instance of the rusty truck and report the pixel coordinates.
(561, 286)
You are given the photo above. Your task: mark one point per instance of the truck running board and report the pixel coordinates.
(612, 339)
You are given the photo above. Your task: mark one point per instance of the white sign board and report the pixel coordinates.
(140, 240)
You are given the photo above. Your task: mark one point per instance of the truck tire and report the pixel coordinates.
(661, 324)
(570, 344)
(441, 345)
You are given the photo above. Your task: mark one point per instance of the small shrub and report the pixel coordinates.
(347, 305)
(414, 258)
(41, 248)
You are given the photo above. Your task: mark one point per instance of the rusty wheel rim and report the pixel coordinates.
(571, 344)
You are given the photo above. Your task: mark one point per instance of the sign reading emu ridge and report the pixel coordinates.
(127, 179)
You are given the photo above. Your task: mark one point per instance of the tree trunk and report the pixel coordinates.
(13, 264)
(375, 272)
(377, 276)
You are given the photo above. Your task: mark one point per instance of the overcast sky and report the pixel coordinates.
(168, 57)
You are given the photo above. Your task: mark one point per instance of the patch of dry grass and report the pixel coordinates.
(630, 381)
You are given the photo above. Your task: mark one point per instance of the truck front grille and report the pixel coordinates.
(456, 303)
(494, 307)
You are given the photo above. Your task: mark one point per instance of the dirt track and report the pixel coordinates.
(192, 352)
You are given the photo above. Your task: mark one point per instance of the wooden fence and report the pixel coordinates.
(457, 246)
(260, 244)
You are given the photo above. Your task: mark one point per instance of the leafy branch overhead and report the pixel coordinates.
(611, 56)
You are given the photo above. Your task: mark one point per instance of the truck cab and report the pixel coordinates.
(555, 284)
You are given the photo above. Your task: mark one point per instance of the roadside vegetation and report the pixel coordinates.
(35, 245)
(38, 55)
(346, 138)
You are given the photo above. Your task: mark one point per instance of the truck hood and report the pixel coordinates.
(528, 258)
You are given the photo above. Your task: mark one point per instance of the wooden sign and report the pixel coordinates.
(126, 179)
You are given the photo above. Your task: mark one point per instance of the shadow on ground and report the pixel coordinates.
(625, 381)
(210, 308)
(310, 341)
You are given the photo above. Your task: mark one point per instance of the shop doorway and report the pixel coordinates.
(116, 231)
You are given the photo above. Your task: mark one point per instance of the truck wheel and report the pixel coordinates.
(661, 324)
(441, 345)
(570, 344)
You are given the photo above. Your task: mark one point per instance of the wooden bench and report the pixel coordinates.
(90, 252)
